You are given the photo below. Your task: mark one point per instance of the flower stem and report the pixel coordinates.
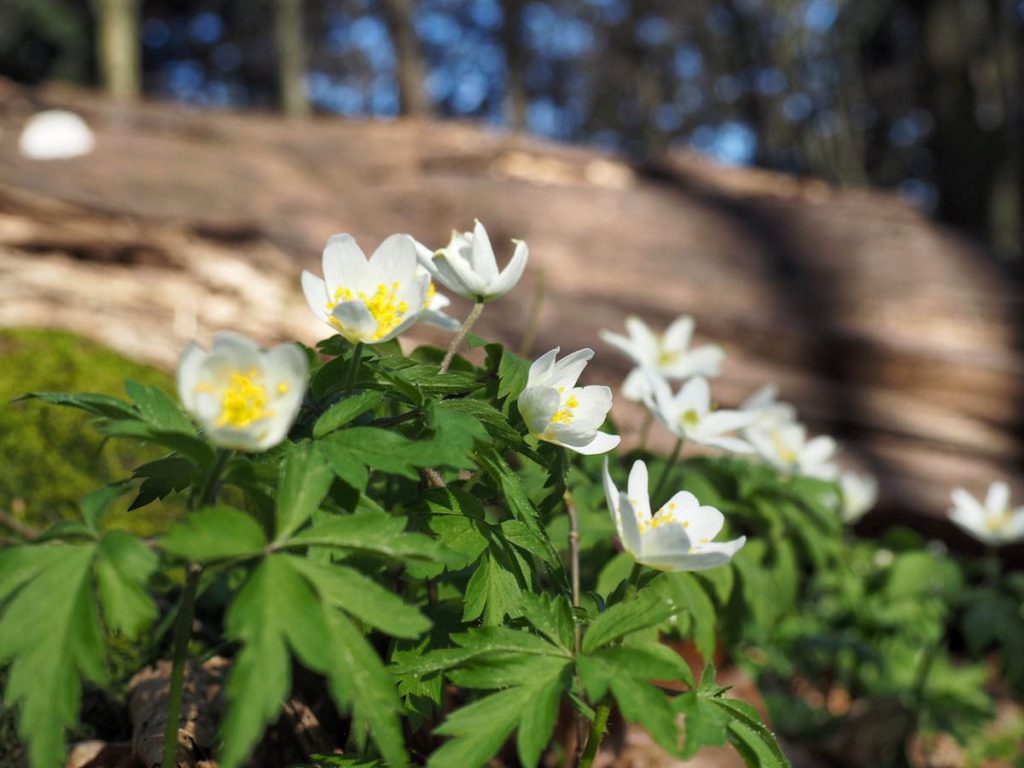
(596, 735)
(645, 430)
(669, 465)
(473, 316)
(574, 557)
(353, 369)
(183, 622)
(182, 630)
(633, 583)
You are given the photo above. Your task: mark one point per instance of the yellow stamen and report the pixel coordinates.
(243, 402)
(382, 305)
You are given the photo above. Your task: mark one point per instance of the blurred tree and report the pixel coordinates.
(409, 66)
(291, 58)
(516, 100)
(42, 39)
(118, 48)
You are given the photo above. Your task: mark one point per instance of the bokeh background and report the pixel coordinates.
(918, 96)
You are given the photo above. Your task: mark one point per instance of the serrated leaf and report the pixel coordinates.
(305, 480)
(552, 616)
(276, 610)
(493, 591)
(493, 420)
(345, 411)
(50, 634)
(481, 728)
(368, 601)
(162, 477)
(123, 566)
(159, 409)
(706, 724)
(215, 533)
(646, 609)
(374, 533)
(749, 735)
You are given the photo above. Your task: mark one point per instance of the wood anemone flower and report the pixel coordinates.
(368, 301)
(243, 397)
(467, 266)
(994, 522)
(678, 537)
(557, 411)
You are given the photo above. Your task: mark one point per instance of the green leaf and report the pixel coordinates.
(159, 409)
(493, 420)
(346, 410)
(94, 505)
(552, 616)
(749, 735)
(123, 566)
(276, 610)
(50, 633)
(368, 601)
(685, 590)
(481, 728)
(161, 477)
(358, 675)
(646, 609)
(374, 533)
(215, 533)
(493, 591)
(305, 480)
(90, 402)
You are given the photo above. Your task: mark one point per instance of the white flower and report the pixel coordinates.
(433, 309)
(771, 412)
(667, 354)
(993, 523)
(467, 266)
(678, 537)
(243, 397)
(688, 414)
(55, 134)
(367, 301)
(787, 448)
(860, 493)
(559, 412)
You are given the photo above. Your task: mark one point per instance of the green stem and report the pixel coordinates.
(353, 369)
(596, 735)
(474, 315)
(663, 480)
(182, 630)
(183, 622)
(645, 430)
(574, 558)
(634, 580)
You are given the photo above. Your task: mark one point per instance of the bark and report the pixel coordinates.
(117, 47)
(410, 69)
(291, 58)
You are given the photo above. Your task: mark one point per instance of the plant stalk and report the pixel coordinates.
(669, 465)
(183, 622)
(463, 331)
(596, 735)
(574, 557)
(645, 430)
(353, 369)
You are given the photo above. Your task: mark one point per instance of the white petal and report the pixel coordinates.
(611, 496)
(541, 368)
(594, 403)
(677, 336)
(817, 451)
(702, 361)
(695, 395)
(602, 442)
(624, 345)
(762, 398)
(315, 291)
(644, 341)
(538, 406)
(636, 386)
(998, 498)
(189, 365)
(394, 261)
(507, 280)
(636, 489)
(700, 558)
(482, 254)
(629, 531)
(344, 264)
(457, 275)
(969, 508)
(731, 444)
(354, 321)
(566, 372)
(722, 421)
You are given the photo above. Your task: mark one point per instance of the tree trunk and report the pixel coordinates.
(516, 100)
(412, 95)
(291, 58)
(117, 44)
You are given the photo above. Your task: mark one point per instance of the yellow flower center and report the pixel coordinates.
(243, 402)
(431, 291)
(566, 414)
(786, 454)
(690, 418)
(996, 521)
(382, 305)
(667, 357)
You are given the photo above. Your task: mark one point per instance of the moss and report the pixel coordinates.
(52, 456)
